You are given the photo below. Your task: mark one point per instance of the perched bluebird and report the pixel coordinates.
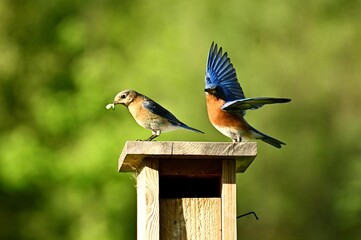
(226, 102)
(148, 113)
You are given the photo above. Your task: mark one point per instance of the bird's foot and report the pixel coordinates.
(151, 138)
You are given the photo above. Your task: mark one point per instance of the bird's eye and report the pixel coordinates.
(215, 90)
(123, 96)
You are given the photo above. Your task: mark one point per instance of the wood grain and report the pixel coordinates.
(148, 201)
(191, 167)
(190, 218)
(229, 200)
(182, 164)
(135, 151)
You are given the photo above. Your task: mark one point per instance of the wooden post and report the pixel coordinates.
(148, 200)
(186, 190)
(229, 200)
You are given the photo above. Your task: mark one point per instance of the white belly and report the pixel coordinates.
(231, 132)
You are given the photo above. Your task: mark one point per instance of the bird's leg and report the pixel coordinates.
(238, 139)
(151, 137)
(154, 135)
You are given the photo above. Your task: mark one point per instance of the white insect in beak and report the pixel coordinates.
(110, 105)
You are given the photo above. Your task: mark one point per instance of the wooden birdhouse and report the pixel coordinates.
(186, 190)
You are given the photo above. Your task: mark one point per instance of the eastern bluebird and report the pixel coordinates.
(148, 113)
(226, 102)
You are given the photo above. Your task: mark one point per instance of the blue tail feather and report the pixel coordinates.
(270, 140)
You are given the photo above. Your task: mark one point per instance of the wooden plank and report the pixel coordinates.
(229, 200)
(135, 151)
(148, 201)
(191, 167)
(190, 218)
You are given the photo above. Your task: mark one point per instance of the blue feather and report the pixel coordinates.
(221, 73)
(159, 110)
(251, 103)
(162, 112)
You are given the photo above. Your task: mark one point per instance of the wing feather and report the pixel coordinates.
(220, 72)
(161, 111)
(251, 103)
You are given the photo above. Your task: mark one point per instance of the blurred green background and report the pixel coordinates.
(61, 62)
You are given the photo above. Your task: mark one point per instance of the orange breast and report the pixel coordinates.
(137, 110)
(222, 118)
(145, 118)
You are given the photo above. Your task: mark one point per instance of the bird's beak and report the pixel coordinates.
(118, 102)
(210, 90)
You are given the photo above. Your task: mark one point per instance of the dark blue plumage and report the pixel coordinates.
(221, 76)
(251, 103)
(159, 110)
(155, 108)
(221, 73)
(226, 102)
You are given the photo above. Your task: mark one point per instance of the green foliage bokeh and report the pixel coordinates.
(61, 62)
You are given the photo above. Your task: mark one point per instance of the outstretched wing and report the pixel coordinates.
(251, 103)
(220, 72)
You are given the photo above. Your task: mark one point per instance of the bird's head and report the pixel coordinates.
(125, 97)
(215, 90)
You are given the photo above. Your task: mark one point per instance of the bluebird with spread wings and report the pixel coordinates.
(149, 114)
(226, 102)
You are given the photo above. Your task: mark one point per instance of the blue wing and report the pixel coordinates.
(251, 103)
(220, 72)
(161, 111)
